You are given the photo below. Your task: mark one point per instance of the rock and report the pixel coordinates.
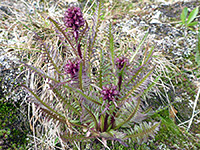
(155, 21)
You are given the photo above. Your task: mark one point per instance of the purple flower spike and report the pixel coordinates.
(72, 68)
(109, 92)
(120, 62)
(73, 18)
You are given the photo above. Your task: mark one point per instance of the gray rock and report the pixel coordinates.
(155, 21)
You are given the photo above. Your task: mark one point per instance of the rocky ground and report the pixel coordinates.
(161, 21)
(132, 19)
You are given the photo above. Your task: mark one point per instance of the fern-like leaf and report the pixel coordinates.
(142, 132)
(135, 87)
(39, 72)
(95, 28)
(48, 51)
(68, 104)
(62, 30)
(129, 113)
(92, 116)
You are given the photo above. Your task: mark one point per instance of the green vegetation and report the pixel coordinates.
(12, 132)
(74, 73)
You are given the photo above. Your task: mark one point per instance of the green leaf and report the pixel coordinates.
(137, 49)
(47, 109)
(198, 43)
(130, 116)
(197, 58)
(80, 76)
(70, 138)
(192, 24)
(134, 76)
(149, 55)
(60, 29)
(135, 87)
(68, 105)
(151, 85)
(96, 26)
(87, 97)
(51, 58)
(180, 23)
(93, 117)
(39, 71)
(111, 40)
(192, 15)
(101, 69)
(102, 119)
(143, 131)
(56, 140)
(184, 15)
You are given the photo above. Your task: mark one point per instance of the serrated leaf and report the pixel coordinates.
(39, 71)
(45, 107)
(136, 86)
(68, 105)
(111, 40)
(114, 136)
(93, 117)
(63, 33)
(152, 84)
(130, 116)
(137, 49)
(143, 131)
(88, 97)
(192, 15)
(184, 15)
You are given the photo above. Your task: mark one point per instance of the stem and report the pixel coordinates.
(113, 119)
(76, 36)
(106, 122)
(79, 50)
(195, 104)
(120, 82)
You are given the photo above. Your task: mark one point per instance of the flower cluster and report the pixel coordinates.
(109, 92)
(120, 62)
(73, 18)
(72, 68)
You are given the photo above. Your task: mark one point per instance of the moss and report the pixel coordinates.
(12, 134)
(170, 134)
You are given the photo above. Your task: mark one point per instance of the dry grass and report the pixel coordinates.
(24, 44)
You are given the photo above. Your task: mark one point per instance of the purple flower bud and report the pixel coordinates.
(72, 68)
(109, 92)
(73, 18)
(120, 62)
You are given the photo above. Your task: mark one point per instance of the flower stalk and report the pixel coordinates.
(107, 105)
